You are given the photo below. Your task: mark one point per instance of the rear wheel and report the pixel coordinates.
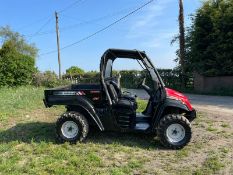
(71, 127)
(174, 131)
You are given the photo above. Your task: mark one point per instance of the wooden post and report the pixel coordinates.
(58, 45)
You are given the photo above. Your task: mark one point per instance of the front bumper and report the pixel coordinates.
(192, 115)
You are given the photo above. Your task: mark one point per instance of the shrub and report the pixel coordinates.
(74, 71)
(47, 79)
(132, 78)
(88, 77)
(15, 68)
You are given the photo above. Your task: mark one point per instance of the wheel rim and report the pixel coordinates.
(69, 129)
(175, 133)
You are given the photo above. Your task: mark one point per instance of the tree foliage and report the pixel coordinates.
(15, 68)
(17, 59)
(209, 47)
(74, 70)
(18, 41)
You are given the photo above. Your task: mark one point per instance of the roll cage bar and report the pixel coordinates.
(122, 53)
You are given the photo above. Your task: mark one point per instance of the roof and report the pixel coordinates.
(123, 53)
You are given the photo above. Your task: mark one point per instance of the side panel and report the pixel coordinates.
(73, 100)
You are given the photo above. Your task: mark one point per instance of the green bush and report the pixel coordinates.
(74, 71)
(16, 69)
(132, 78)
(88, 77)
(47, 79)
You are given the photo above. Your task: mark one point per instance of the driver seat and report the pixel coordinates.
(121, 95)
(120, 102)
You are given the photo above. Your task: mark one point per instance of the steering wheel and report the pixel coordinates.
(141, 83)
(145, 87)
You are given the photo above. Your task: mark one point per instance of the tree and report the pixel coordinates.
(17, 59)
(209, 44)
(15, 68)
(74, 71)
(182, 41)
(18, 41)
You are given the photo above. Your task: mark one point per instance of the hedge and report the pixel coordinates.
(132, 78)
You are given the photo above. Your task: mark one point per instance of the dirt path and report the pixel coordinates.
(218, 105)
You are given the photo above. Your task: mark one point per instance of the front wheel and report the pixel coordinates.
(71, 127)
(174, 131)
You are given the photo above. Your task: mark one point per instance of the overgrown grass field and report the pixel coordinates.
(28, 146)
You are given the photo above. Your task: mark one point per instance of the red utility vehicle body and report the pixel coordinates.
(179, 96)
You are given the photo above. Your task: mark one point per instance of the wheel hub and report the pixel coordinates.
(175, 133)
(69, 129)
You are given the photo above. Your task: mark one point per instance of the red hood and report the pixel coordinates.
(178, 96)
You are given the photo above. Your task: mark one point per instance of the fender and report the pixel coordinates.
(166, 104)
(79, 101)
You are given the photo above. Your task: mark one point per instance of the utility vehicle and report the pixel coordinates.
(168, 113)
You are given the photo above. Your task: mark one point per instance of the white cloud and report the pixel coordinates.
(148, 18)
(144, 26)
(157, 39)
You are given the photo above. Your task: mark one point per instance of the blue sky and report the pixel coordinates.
(150, 29)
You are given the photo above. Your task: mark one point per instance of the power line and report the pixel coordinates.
(82, 22)
(101, 30)
(115, 13)
(41, 33)
(35, 22)
(70, 6)
(41, 28)
(48, 17)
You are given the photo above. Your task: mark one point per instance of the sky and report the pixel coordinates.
(151, 29)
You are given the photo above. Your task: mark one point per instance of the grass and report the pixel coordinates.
(141, 105)
(211, 129)
(211, 165)
(28, 146)
(225, 125)
(17, 101)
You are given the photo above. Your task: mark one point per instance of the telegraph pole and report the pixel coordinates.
(58, 44)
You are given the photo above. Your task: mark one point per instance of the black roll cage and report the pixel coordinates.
(128, 54)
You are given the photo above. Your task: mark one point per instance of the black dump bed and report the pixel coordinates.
(68, 94)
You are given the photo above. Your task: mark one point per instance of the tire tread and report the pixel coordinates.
(164, 123)
(74, 116)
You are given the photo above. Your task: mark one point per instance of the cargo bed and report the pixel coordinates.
(64, 95)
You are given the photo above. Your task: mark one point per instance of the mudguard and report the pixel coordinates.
(168, 103)
(79, 101)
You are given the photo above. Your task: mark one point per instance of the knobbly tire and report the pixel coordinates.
(174, 131)
(71, 127)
